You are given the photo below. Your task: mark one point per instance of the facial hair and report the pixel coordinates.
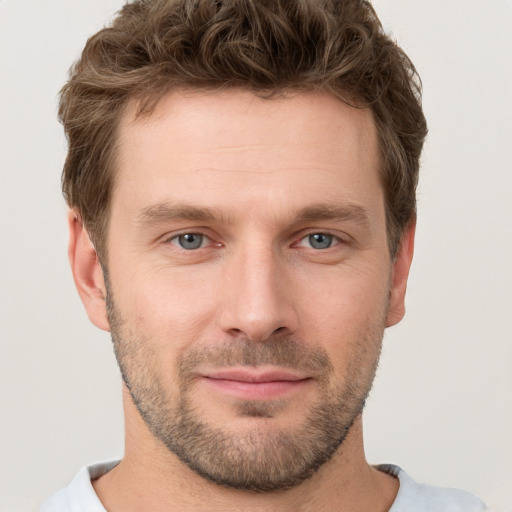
(264, 457)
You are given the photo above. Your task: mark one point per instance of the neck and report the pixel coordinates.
(151, 478)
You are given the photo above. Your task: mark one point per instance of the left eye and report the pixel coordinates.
(190, 241)
(319, 241)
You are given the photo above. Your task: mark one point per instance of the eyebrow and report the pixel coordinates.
(335, 212)
(165, 212)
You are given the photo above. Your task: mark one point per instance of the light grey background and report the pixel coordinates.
(442, 404)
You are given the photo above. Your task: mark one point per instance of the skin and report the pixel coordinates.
(257, 165)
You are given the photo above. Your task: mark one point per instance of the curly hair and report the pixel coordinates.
(269, 47)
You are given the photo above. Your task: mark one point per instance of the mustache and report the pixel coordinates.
(279, 350)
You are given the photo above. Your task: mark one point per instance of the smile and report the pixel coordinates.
(247, 385)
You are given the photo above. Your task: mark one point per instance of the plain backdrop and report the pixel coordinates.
(442, 403)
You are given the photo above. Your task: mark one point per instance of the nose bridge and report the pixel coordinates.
(256, 300)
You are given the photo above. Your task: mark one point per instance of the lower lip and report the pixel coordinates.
(256, 390)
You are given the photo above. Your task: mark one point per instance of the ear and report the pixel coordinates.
(399, 276)
(87, 272)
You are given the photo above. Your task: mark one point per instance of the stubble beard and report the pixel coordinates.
(265, 457)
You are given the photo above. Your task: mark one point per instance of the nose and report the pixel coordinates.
(258, 300)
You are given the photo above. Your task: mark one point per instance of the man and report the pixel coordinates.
(241, 179)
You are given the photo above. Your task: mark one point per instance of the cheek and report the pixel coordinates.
(346, 313)
(345, 297)
(166, 305)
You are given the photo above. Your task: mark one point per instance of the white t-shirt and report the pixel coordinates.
(79, 495)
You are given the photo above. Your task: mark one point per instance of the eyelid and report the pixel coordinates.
(175, 240)
(339, 238)
(335, 241)
(170, 238)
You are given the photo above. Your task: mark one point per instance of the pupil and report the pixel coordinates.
(320, 241)
(190, 241)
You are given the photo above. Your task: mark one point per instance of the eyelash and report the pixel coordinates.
(174, 240)
(334, 239)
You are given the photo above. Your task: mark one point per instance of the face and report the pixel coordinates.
(249, 279)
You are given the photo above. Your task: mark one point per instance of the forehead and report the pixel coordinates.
(234, 148)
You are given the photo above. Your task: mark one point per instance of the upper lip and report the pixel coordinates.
(256, 376)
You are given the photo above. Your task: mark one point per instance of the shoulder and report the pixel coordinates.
(79, 495)
(416, 497)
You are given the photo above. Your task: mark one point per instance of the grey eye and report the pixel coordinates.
(190, 241)
(320, 240)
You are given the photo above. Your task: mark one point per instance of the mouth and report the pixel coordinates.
(255, 385)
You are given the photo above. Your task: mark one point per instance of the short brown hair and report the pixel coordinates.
(266, 46)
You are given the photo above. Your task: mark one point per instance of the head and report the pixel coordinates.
(246, 172)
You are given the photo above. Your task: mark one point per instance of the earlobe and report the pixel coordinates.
(87, 272)
(400, 274)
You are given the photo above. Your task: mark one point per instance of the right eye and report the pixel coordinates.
(190, 241)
